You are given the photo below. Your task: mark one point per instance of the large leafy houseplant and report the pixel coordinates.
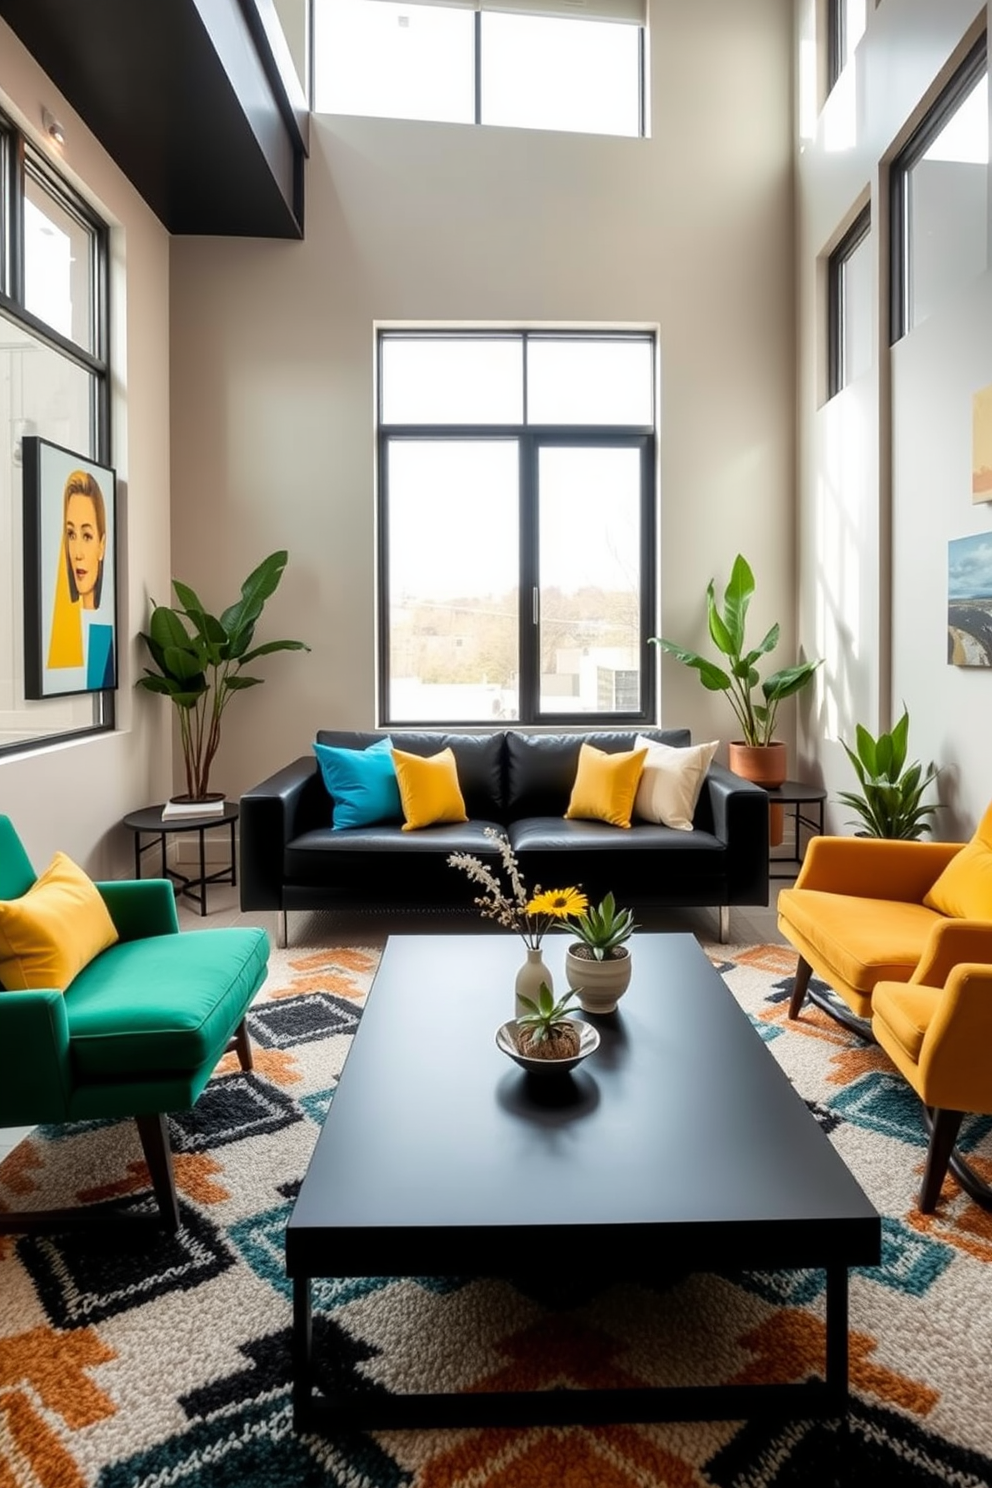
(755, 702)
(890, 801)
(200, 659)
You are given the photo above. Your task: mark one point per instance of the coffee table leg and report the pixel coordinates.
(837, 1335)
(302, 1353)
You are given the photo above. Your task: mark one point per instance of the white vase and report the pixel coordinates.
(599, 983)
(529, 979)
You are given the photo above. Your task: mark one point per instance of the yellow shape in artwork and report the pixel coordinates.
(65, 649)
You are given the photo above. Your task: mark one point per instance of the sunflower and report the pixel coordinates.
(559, 903)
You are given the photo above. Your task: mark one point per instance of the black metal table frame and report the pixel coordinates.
(354, 1410)
(792, 796)
(194, 888)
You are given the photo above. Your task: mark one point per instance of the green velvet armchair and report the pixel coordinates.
(136, 1033)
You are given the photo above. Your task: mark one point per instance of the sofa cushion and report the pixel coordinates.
(605, 785)
(54, 930)
(429, 789)
(864, 941)
(540, 768)
(381, 853)
(671, 781)
(478, 757)
(162, 1005)
(361, 783)
(906, 1009)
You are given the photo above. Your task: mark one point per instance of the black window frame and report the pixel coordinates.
(967, 75)
(837, 263)
(19, 159)
(531, 438)
(477, 119)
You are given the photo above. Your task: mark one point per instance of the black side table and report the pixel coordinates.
(148, 822)
(803, 801)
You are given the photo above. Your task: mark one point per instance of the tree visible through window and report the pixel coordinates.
(516, 481)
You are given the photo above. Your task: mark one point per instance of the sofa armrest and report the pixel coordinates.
(272, 813)
(35, 1077)
(874, 867)
(739, 812)
(141, 907)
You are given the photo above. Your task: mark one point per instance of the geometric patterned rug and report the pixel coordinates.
(137, 1361)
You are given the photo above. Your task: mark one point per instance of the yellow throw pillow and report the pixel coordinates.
(964, 889)
(606, 784)
(53, 931)
(429, 789)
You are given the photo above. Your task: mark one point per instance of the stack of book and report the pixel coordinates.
(173, 809)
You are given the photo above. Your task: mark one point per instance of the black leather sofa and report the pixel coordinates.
(290, 858)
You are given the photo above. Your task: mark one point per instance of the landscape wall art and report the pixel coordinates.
(969, 600)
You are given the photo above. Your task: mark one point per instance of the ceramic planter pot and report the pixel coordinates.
(764, 764)
(599, 983)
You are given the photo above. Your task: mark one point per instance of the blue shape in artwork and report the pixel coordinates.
(883, 1103)
(100, 658)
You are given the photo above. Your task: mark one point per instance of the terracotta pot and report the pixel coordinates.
(767, 765)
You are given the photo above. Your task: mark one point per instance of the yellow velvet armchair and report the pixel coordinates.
(938, 1034)
(866, 910)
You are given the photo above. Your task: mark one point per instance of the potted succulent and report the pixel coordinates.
(597, 965)
(199, 659)
(757, 755)
(545, 1029)
(890, 801)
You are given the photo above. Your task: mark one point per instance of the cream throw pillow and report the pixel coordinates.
(671, 781)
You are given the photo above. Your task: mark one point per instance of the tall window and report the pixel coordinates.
(940, 199)
(532, 64)
(516, 526)
(846, 24)
(850, 300)
(53, 382)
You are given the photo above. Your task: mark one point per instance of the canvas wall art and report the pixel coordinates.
(981, 445)
(969, 600)
(70, 572)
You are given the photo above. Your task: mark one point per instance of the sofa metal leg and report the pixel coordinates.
(154, 1132)
(724, 913)
(803, 974)
(282, 929)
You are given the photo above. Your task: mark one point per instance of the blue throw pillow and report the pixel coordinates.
(361, 783)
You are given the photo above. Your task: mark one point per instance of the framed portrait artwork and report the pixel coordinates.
(70, 572)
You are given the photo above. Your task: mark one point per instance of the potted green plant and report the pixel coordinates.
(890, 801)
(757, 755)
(597, 966)
(200, 659)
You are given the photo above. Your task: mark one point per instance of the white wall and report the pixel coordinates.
(885, 469)
(72, 797)
(272, 397)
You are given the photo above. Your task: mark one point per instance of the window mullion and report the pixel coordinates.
(530, 629)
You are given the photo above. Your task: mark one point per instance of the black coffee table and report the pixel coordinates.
(679, 1141)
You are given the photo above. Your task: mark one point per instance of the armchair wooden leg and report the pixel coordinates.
(803, 973)
(944, 1128)
(154, 1132)
(241, 1044)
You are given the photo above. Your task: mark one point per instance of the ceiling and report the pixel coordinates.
(195, 100)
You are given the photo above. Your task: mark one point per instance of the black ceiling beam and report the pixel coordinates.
(191, 98)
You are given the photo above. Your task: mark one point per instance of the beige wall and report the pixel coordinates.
(885, 477)
(272, 399)
(73, 796)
